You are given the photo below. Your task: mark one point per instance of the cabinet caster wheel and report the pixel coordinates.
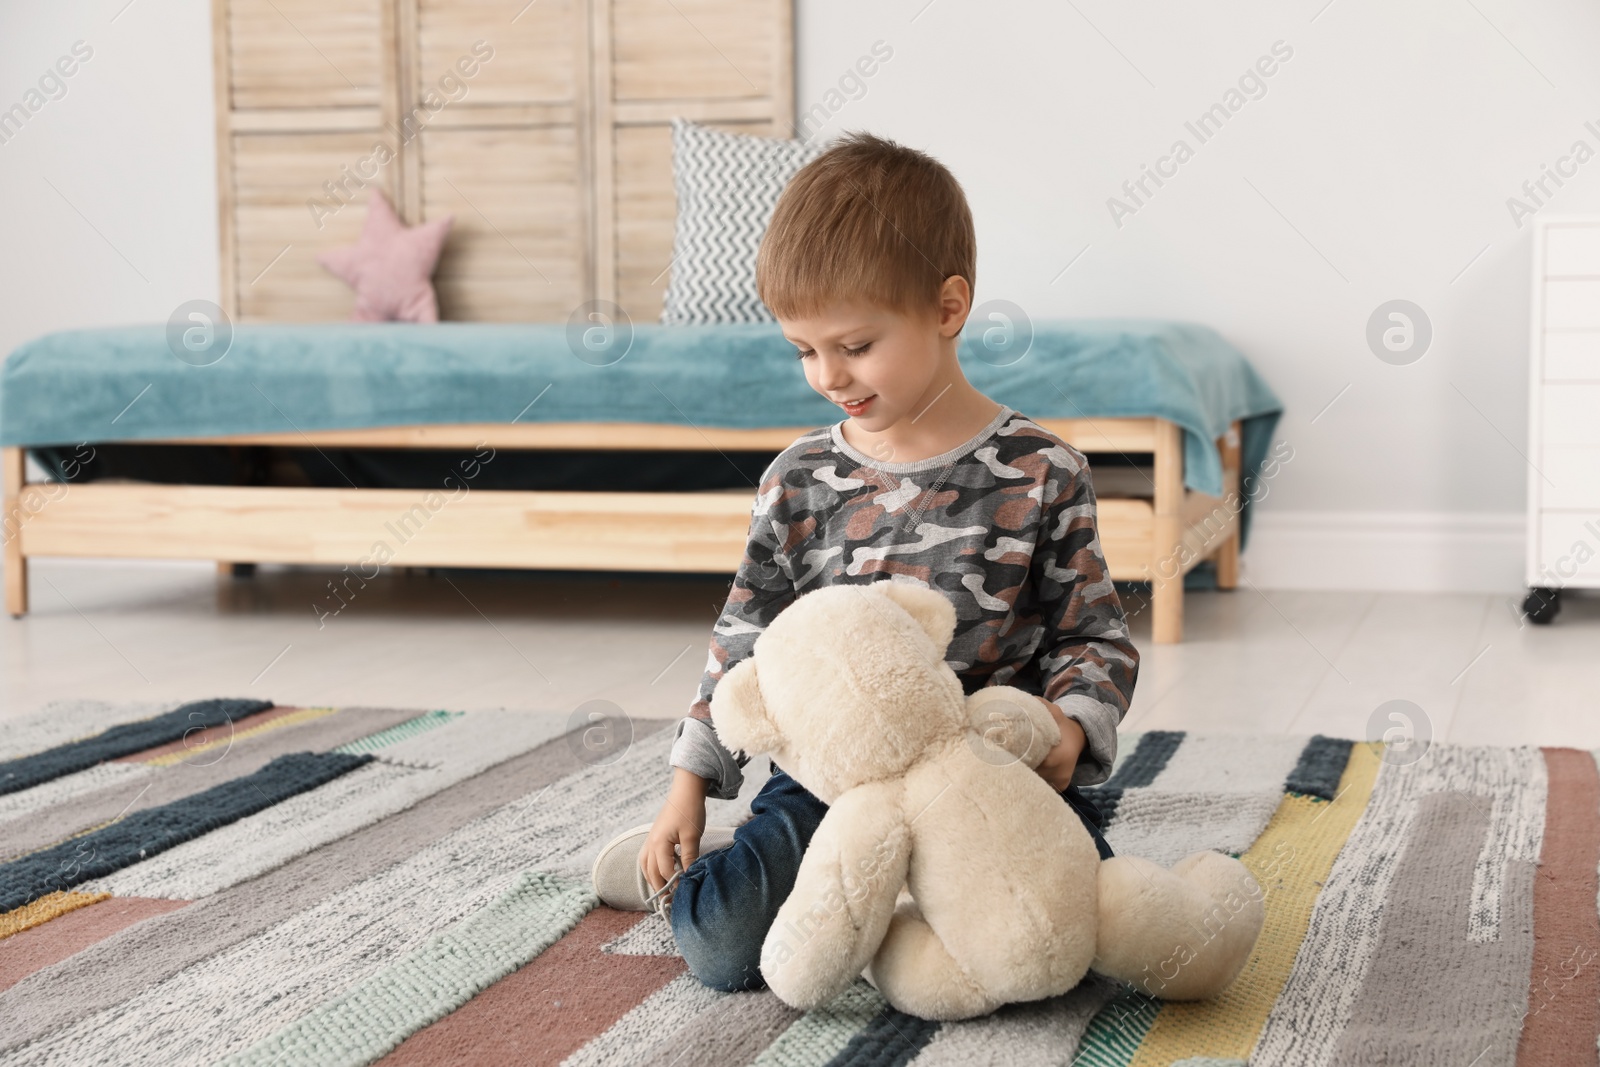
(1542, 604)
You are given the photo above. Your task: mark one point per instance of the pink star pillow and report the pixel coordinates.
(390, 267)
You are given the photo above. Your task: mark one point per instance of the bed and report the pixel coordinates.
(1183, 408)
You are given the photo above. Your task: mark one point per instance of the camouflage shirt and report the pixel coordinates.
(1004, 525)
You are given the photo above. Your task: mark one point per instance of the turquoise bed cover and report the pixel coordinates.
(123, 383)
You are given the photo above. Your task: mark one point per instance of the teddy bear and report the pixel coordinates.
(947, 872)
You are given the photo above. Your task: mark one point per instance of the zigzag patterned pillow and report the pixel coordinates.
(727, 186)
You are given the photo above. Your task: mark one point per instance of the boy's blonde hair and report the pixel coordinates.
(868, 219)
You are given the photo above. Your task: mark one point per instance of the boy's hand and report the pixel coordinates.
(1059, 763)
(682, 822)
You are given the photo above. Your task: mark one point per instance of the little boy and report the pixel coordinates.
(868, 266)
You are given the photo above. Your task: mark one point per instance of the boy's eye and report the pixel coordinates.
(858, 351)
(802, 353)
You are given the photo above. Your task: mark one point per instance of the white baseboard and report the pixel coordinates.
(1413, 551)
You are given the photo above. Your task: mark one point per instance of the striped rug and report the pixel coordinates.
(229, 881)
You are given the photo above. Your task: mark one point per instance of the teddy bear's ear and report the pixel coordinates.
(739, 715)
(931, 608)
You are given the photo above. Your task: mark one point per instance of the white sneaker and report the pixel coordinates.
(619, 881)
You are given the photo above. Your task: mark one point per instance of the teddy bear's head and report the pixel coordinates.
(848, 684)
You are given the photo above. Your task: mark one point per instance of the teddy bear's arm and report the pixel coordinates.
(1015, 721)
(836, 915)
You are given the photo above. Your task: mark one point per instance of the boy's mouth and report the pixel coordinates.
(859, 407)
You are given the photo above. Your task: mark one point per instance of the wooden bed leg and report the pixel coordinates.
(1227, 554)
(12, 472)
(1166, 586)
(1166, 620)
(1227, 559)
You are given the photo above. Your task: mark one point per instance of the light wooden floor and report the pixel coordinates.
(1273, 660)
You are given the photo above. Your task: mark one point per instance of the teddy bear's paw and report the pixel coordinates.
(798, 985)
(916, 975)
(1226, 880)
(1228, 927)
(1010, 725)
(1179, 933)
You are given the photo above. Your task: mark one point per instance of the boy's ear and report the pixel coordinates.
(930, 608)
(955, 304)
(739, 714)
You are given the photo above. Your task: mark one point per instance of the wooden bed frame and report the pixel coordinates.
(1155, 539)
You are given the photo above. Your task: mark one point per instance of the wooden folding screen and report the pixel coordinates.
(542, 128)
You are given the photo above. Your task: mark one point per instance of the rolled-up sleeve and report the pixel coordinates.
(1086, 658)
(761, 588)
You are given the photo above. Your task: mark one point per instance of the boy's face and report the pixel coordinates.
(856, 351)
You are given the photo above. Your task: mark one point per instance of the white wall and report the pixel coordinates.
(108, 194)
(1376, 166)
(1390, 140)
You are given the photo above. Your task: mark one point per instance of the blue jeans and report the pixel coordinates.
(726, 901)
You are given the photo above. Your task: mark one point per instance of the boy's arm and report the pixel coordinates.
(1088, 663)
(761, 588)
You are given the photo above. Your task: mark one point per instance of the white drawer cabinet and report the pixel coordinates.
(1563, 413)
(1572, 354)
(1574, 473)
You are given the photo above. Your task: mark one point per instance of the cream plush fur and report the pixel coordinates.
(946, 871)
